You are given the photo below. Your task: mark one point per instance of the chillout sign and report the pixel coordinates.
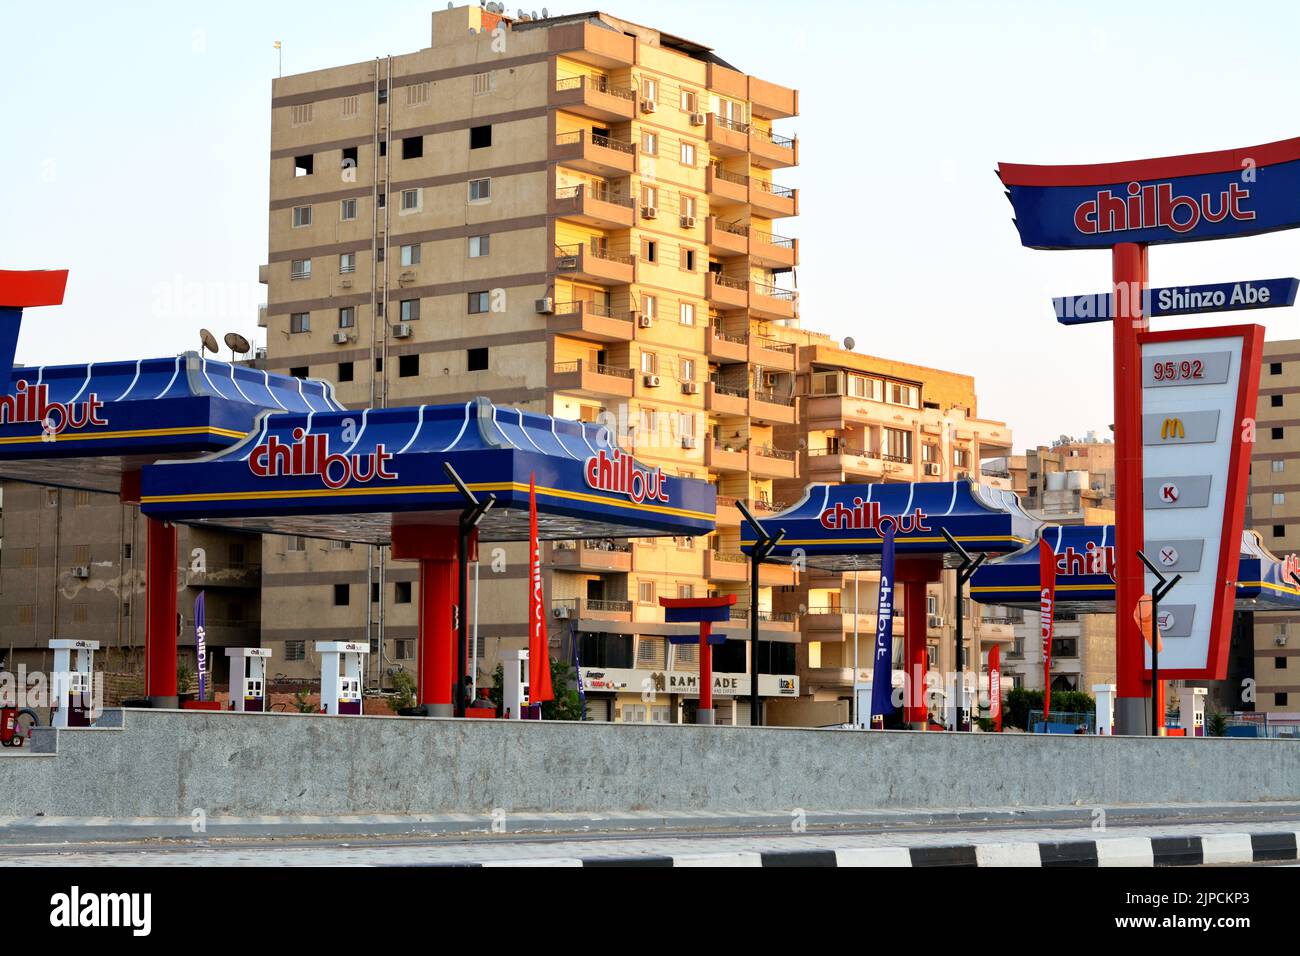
(617, 472)
(865, 516)
(311, 455)
(1156, 207)
(31, 403)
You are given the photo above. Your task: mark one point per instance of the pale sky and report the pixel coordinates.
(136, 139)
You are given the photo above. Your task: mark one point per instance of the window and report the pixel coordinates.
(300, 269)
(298, 371)
(1274, 368)
(1276, 400)
(645, 592)
(1279, 699)
(686, 591)
(859, 386)
(480, 137)
(412, 147)
(345, 371)
(408, 366)
(382, 199)
(347, 262)
(484, 83)
(1279, 498)
(379, 365)
(480, 190)
(383, 147)
(476, 360)
(686, 204)
(688, 260)
(342, 595)
(687, 313)
(404, 649)
(1279, 531)
(379, 308)
(649, 362)
(1279, 663)
(410, 200)
(296, 542)
(410, 310)
(687, 101)
(478, 303)
(649, 143)
(295, 650)
(347, 209)
(650, 196)
(686, 373)
(479, 246)
(380, 253)
(402, 592)
(1278, 466)
(303, 165)
(900, 394)
(1277, 433)
(961, 458)
(649, 88)
(302, 217)
(688, 154)
(897, 444)
(300, 322)
(347, 317)
(350, 157)
(650, 306)
(649, 250)
(351, 107)
(411, 255)
(417, 94)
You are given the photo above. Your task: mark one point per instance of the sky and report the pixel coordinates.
(135, 143)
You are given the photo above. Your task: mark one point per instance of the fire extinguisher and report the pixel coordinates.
(16, 725)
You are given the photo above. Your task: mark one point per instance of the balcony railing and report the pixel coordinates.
(785, 192)
(780, 454)
(597, 139)
(772, 239)
(776, 140)
(730, 124)
(734, 228)
(599, 193)
(731, 390)
(774, 292)
(738, 179)
(565, 368)
(901, 459)
(601, 544)
(600, 84)
(621, 607)
(842, 450)
(596, 252)
(781, 617)
(736, 338)
(772, 345)
(730, 557)
(774, 399)
(591, 308)
(729, 283)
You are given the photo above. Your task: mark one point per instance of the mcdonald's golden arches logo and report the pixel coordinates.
(1172, 428)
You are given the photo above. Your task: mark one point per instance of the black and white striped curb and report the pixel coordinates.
(1210, 849)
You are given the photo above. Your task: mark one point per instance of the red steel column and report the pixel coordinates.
(1129, 273)
(160, 637)
(914, 653)
(435, 548)
(704, 714)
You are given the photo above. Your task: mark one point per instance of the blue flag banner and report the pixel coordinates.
(577, 673)
(882, 675)
(201, 644)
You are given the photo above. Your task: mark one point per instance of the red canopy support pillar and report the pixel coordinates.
(162, 556)
(705, 713)
(703, 611)
(435, 547)
(914, 574)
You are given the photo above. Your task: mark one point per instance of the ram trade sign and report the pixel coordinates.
(1199, 389)
(1240, 192)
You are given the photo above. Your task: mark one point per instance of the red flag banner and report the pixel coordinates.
(539, 655)
(1046, 616)
(995, 687)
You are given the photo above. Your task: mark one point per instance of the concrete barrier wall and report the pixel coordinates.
(168, 763)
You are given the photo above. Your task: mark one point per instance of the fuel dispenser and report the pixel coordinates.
(1191, 711)
(340, 689)
(514, 684)
(72, 683)
(248, 678)
(1105, 696)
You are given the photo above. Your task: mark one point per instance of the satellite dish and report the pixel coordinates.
(849, 343)
(237, 343)
(544, 13)
(209, 341)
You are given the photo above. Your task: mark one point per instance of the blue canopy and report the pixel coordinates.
(351, 475)
(1085, 586)
(80, 426)
(836, 527)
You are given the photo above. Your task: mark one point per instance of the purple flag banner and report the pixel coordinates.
(201, 644)
(882, 674)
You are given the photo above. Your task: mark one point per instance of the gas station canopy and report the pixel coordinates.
(837, 527)
(82, 426)
(1084, 584)
(353, 475)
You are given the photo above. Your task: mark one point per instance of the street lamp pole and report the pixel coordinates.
(1163, 586)
(468, 522)
(764, 544)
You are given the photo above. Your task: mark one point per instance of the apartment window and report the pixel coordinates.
(859, 386)
(929, 452)
(410, 200)
(383, 148)
(295, 542)
(303, 165)
(402, 592)
(1278, 466)
(347, 209)
(478, 303)
(347, 317)
(342, 595)
(408, 366)
(1276, 400)
(960, 458)
(298, 371)
(688, 260)
(1279, 531)
(645, 592)
(649, 250)
(1279, 699)
(382, 199)
(650, 197)
(300, 269)
(379, 365)
(687, 205)
(351, 107)
(650, 306)
(409, 310)
(476, 360)
(897, 444)
(900, 394)
(480, 190)
(480, 137)
(688, 154)
(649, 88)
(1274, 368)
(302, 217)
(302, 114)
(126, 551)
(380, 253)
(347, 262)
(300, 322)
(346, 371)
(649, 362)
(686, 313)
(80, 500)
(688, 101)
(484, 83)
(1279, 498)
(411, 255)
(379, 308)
(1277, 433)
(295, 650)
(687, 374)
(412, 147)
(649, 143)
(686, 590)
(479, 246)
(1279, 663)
(350, 157)
(417, 94)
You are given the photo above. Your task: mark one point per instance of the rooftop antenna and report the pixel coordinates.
(237, 344)
(849, 343)
(208, 341)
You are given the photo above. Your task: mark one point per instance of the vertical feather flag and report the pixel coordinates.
(539, 657)
(882, 673)
(995, 687)
(1046, 616)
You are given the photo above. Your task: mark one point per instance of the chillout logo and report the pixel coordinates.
(617, 472)
(1091, 560)
(1156, 206)
(866, 516)
(31, 403)
(310, 455)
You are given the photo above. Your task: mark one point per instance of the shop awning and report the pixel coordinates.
(1084, 585)
(81, 426)
(836, 527)
(352, 475)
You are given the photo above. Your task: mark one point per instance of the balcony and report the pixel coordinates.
(827, 676)
(768, 462)
(591, 321)
(728, 346)
(592, 205)
(772, 101)
(726, 400)
(769, 150)
(723, 458)
(726, 292)
(772, 302)
(720, 566)
(726, 137)
(771, 200)
(595, 45)
(594, 153)
(590, 378)
(591, 609)
(772, 251)
(230, 574)
(776, 620)
(593, 263)
(829, 625)
(596, 555)
(996, 630)
(771, 407)
(730, 83)
(771, 353)
(594, 97)
(774, 574)
(725, 188)
(728, 514)
(842, 464)
(726, 238)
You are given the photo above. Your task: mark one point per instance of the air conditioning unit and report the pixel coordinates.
(690, 388)
(544, 306)
(345, 283)
(688, 441)
(407, 276)
(649, 212)
(651, 381)
(81, 571)
(932, 469)
(647, 106)
(644, 321)
(561, 612)
(697, 119)
(937, 620)
(688, 222)
(769, 380)
(1280, 640)
(402, 330)
(340, 337)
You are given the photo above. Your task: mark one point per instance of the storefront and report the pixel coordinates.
(638, 696)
